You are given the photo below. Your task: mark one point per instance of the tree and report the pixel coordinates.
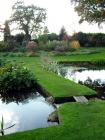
(63, 34)
(53, 36)
(45, 31)
(28, 18)
(19, 38)
(92, 11)
(6, 31)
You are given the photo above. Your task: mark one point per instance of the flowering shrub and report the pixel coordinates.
(14, 77)
(31, 46)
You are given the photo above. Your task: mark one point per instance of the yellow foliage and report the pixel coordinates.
(75, 44)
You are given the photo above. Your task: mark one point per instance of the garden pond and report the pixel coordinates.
(25, 111)
(93, 78)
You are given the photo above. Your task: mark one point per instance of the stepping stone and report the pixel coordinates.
(81, 99)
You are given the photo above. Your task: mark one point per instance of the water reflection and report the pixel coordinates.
(28, 111)
(17, 97)
(94, 79)
(97, 85)
(78, 73)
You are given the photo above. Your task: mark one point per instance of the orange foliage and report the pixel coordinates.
(75, 44)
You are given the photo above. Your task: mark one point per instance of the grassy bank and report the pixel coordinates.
(55, 85)
(85, 122)
(81, 57)
(77, 121)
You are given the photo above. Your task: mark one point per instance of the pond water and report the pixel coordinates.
(94, 79)
(81, 74)
(26, 111)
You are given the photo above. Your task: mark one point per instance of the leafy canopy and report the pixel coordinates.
(28, 18)
(92, 11)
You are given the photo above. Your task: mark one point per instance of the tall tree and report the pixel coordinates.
(92, 11)
(28, 18)
(6, 31)
(62, 33)
(45, 31)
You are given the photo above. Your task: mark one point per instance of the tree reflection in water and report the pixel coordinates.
(17, 97)
(97, 85)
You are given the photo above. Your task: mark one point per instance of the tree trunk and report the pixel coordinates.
(27, 38)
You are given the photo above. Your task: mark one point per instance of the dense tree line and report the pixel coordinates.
(90, 39)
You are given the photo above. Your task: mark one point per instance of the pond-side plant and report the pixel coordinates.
(49, 64)
(16, 78)
(2, 129)
(100, 62)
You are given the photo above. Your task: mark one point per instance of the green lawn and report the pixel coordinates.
(77, 121)
(55, 85)
(83, 54)
(82, 57)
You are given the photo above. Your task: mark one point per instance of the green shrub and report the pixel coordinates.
(53, 45)
(99, 62)
(2, 62)
(52, 37)
(20, 48)
(60, 50)
(90, 39)
(49, 46)
(15, 78)
(3, 46)
(32, 54)
(43, 39)
(19, 38)
(18, 54)
(5, 54)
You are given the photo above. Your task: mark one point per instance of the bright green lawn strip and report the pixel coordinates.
(81, 57)
(78, 121)
(55, 85)
(73, 118)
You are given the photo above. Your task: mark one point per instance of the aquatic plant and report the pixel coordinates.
(100, 62)
(2, 127)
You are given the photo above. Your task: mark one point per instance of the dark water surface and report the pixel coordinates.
(26, 112)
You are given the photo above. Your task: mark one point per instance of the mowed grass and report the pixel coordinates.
(77, 121)
(55, 85)
(82, 57)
